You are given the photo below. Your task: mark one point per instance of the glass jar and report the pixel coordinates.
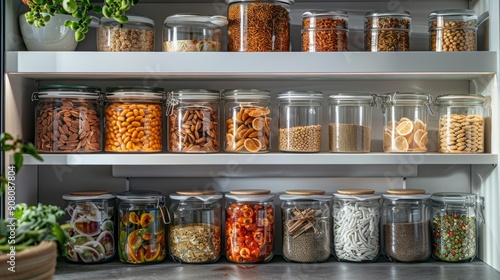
(405, 121)
(406, 225)
(135, 35)
(387, 31)
(259, 25)
(461, 123)
(134, 119)
(193, 121)
(247, 114)
(325, 31)
(454, 227)
(193, 33)
(300, 121)
(452, 30)
(68, 119)
(92, 226)
(356, 218)
(249, 226)
(306, 220)
(142, 218)
(195, 231)
(350, 125)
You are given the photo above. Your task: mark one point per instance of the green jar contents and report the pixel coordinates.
(454, 227)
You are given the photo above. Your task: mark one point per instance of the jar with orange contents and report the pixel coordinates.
(249, 226)
(324, 31)
(405, 121)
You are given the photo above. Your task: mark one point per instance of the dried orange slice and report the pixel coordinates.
(258, 123)
(404, 128)
(387, 139)
(262, 111)
(420, 124)
(422, 143)
(252, 145)
(390, 125)
(418, 134)
(400, 144)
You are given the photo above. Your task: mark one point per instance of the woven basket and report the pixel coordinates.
(36, 263)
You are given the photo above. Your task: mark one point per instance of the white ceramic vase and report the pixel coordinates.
(54, 36)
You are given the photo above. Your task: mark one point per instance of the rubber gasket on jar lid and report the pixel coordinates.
(355, 191)
(250, 192)
(405, 191)
(305, 192)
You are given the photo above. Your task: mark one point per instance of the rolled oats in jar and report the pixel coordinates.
(259, 25)
(134, 119)
(461, 123)
(193, 121)
(325, 31)
(453, 30)
(135, 35)
(387, 31)
(68, 119)
(247, 119)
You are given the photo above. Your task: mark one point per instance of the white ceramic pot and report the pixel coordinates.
(54, 36)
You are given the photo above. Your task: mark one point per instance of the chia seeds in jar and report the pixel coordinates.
(195, 230)
(306, 217)
(454, 227)
(300, 121)
(387, 31)
(325, 31)
(453, 30)
(406, 226)
(350, 125)
(193, 121)
(92, 220)
(135, 35)
(249, 226)
(68, 119)
(356, 219)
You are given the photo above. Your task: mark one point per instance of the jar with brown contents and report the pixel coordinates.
(134, 119)
(452, 30)
(324, 31)
(387, 31)
(67, 119)
(193, 121)
(136, 35)
(259, 26)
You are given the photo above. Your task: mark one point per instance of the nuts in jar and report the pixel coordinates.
(67, 119)
(136, 35)
(452, 30)
(134, 119)
(387, 31)
(324, 31)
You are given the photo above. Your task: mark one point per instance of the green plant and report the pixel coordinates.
(41, 11)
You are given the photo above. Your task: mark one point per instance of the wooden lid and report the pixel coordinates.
(196, 192)
(356, 191)
(305, 192)
(405, 191)
(89, 193)
(249, 192)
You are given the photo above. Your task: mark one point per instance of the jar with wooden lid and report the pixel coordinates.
(461, 123)
(259, 25)
(406, 227)
(91, 216)
(387, 31)
(134, 121)
(452, 30)
(249, 226)
(356, 218)
(68, 119)
(193, 121)
(195, 230)
(325, 31)
(306, 216)
(247, 116)
(142, 220)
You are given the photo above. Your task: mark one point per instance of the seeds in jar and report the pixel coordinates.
(405, 135)
(388, 34)
(407, 242)
(195, 243)
(460, 133)
(349, 138)
(454, 237)
(194, 130)
(68, 127)
(123, 39)
(300, 138)
(453, 36)
(248, 129)
(191, 46)
(258, 27)
(133, 127)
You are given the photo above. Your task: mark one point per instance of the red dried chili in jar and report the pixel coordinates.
(249, 226)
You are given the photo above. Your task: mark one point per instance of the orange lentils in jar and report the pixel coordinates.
(325, 31)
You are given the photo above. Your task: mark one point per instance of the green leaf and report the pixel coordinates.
(18, 161)
(70, 6)
(30, 149)
(74, 25)
(79, 36)
(7, 147)
(106, 12)
(121, 19)
(39, 2)
(4, 137)
(97, 9)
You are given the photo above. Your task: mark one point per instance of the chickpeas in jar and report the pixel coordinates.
(134, 119)
(453, 30)
(135, 35)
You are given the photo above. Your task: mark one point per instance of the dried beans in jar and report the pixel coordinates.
(453, 30)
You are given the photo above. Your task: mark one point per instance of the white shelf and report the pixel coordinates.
(252, 66)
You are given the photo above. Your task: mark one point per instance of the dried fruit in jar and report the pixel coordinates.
(247, 129)
(405, 135)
